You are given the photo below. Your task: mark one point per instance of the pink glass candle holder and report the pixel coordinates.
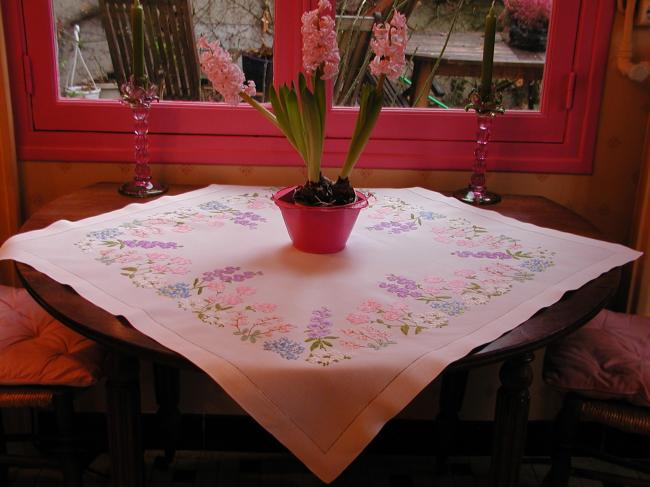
(476, 192)
(486, 108)
(139, 99)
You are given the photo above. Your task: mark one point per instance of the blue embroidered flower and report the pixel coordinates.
(214, 206)
(105, 234)
(287, 349)
(178, 290)
(450, 308)
(430, 215)
(536, 265)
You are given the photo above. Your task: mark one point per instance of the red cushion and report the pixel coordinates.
(607, 358)
(37, 349)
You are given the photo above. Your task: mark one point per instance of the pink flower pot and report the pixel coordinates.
(318, 229)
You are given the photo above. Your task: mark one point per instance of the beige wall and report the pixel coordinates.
(606, 197)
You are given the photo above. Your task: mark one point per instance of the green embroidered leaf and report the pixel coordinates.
(314, 346)
(404, 329)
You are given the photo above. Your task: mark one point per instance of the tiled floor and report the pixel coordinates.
(210, 469)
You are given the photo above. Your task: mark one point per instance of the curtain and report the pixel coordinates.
(8, 173)
(639, 301)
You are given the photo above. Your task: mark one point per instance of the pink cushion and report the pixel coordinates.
(37, 349)
(607, 358)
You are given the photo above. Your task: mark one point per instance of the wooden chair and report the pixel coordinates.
(42, 365)
(170, 48)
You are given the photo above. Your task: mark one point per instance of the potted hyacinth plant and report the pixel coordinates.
(299, 111)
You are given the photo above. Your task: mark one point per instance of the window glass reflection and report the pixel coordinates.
(244, 28)
(520, 51)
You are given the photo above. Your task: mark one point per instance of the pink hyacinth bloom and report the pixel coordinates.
(226, 77)
(319, 45)
(389, 45)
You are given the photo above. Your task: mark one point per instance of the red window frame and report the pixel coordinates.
(558, 138)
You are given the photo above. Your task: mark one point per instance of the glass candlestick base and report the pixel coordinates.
(137, 190)
(468, 195)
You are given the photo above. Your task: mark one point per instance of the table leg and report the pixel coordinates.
(452, 393)
(123, 412)
(513, 401)
(167, 388)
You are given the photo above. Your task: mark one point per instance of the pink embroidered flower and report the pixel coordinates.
(433, 280)
(456, 285)
(181, 270)
(156, 256)
(389, 45)
(319, 41)
(231, 299)
(130, 256)
(257, 204)
(466, 273)
(182, 228)
(216, 286)
(370, 306)
(245, 290)
(358, 318)
(266, 307)
(226, 77)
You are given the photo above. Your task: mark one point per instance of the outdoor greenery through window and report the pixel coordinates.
(520, 51)
(244, 28)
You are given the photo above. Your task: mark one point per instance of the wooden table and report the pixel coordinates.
(128, 345)
(464, 55)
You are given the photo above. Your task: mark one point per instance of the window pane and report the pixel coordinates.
(520, 52)
(103, 58)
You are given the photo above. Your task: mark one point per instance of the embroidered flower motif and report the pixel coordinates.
(105, 234)
(229, 274)
(286, 348)
(178, 290)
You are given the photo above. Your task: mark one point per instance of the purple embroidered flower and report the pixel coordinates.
(319, 325)
(536, 265)
(105, 234)
(450, 307)
(401, 286)
(395, 227)
(229, 274)
(287, 349)
(149, 244)
(248, 219)
(178, 290)
(214, 206)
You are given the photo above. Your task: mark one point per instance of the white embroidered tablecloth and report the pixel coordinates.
(321, 350)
